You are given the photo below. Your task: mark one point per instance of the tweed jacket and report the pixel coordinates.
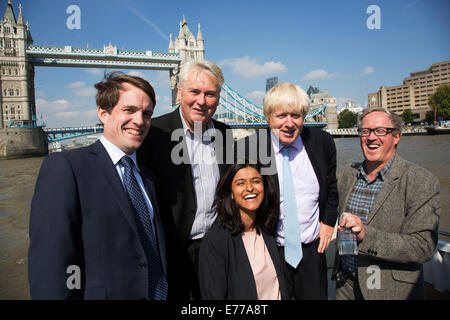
(401, 230)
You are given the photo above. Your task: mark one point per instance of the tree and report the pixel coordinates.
(429, 116)
(440, 101)
(407, 116)
(347, 119)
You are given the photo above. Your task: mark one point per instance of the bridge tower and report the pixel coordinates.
(17, 101)
(188, 47)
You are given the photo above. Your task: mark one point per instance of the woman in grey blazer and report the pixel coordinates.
(238, 255)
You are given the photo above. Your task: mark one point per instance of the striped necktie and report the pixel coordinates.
(157, 282)
(292, 240)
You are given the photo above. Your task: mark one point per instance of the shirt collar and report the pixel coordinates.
(386, 168)
(115, 153)
(380, 174)
(278, 146)
(210, 129)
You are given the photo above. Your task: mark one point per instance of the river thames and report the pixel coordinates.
(18, 176)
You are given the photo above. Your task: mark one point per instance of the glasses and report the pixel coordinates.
(379, 132)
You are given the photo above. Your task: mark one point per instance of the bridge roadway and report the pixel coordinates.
(58, 134)
(108, 57)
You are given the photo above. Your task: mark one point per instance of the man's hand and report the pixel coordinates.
(349, 220)
(325, 234)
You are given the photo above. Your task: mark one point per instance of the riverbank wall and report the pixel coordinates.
(22, 142)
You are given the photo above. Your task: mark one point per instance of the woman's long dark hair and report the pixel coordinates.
(228, 214)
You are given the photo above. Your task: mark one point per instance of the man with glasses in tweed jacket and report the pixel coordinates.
(393, 207)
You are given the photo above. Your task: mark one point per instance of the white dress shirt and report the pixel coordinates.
(205, 174)
(116, 154)
(306, 190)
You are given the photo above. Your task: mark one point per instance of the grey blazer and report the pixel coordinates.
(401, 230)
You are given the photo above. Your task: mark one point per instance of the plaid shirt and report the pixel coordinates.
(360, 203)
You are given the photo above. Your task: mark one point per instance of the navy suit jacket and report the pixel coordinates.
(177, 201)
(81, 216)
(225, 270)
(321, 152)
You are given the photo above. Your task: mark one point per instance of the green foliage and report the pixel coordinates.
(407, 116)
(440, 100)
(347, 119)
(429, 116)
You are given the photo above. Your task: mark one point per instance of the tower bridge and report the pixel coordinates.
(19, 56)
(108, 57)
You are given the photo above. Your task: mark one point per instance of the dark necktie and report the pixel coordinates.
(157, 281)
(292, 241)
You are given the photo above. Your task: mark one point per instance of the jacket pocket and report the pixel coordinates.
(408, 276)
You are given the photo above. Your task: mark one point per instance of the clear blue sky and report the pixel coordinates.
(324, 43)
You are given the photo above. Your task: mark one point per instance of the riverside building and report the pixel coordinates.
(414, 92)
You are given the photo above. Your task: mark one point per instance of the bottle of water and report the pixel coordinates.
(347, 243)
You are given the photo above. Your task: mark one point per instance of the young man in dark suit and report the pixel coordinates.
(95, 230)
(186, 149)
(303, 162)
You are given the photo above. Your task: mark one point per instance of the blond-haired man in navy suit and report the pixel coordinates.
(311, 161)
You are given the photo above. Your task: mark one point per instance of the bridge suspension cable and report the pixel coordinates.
(243, 108)
(316, 111)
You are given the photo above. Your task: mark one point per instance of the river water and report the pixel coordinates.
(18, 176)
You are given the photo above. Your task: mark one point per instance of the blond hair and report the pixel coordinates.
(286, 95)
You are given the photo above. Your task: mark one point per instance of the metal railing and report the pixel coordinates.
(444, 233)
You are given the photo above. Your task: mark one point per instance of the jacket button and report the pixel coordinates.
(143, 265)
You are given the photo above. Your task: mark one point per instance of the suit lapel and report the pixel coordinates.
(176, 124)
(348, 185)
(185, 167)
(106, 167)
(220, 146)
(184, 172)
(270, 154)
(151, 192)
(150, 189)
(312, 151)
(392, 178)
